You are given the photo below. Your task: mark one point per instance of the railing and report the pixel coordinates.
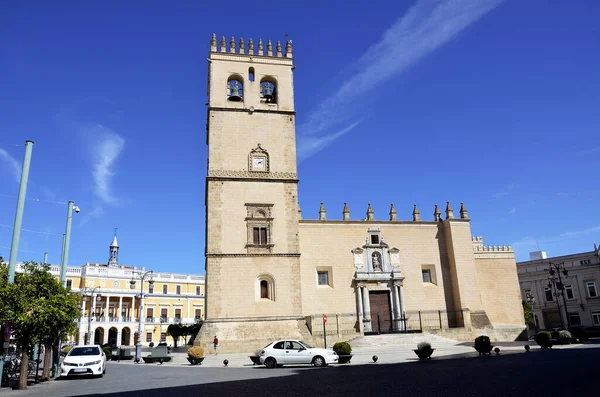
(149, 319)
(164, 319)
(177, 320)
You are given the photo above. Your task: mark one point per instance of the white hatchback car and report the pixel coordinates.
(295, 352)
(84, 360)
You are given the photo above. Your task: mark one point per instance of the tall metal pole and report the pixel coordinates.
(138, 345)
(14, 247)
(65, 258)
(562, 290)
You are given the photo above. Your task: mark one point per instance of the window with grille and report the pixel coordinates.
(178, 289)
(548, 293)
(165, 289)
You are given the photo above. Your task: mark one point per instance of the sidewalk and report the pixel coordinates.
(389, 349)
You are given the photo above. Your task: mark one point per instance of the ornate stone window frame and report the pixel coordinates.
(258, 153)
(259, 215)
(270, 287)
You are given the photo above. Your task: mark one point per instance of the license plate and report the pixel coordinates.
(80, 370)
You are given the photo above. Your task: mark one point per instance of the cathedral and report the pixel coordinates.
(271, 274)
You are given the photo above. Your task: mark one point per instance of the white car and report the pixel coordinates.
(84, 360)
(295, 352)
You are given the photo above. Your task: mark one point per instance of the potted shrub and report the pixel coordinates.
(151, 344)
(343, 350)
(107, 351)
(564, 337)
(544, 339)
(424, 350)
(195, 355)
(483, 345)
(256, 357)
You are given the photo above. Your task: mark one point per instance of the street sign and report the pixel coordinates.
(324, 318)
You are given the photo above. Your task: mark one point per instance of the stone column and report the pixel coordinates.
(106, 330)
(93, 311)
(132, 310)
(397, 308)
(402, 308)
(119, 331)
(106, 309)
(367, 309)
(120, 309)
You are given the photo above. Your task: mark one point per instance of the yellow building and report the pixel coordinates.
(115, 307)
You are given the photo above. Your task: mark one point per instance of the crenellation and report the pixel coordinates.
(213, 43)
(242, 49)
(223, 44)
(232, 45)
(250, 47)
(279, 54)
(269, 49)
(260, 48)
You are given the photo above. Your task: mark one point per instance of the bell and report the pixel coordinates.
(234, 92)
(268, 93)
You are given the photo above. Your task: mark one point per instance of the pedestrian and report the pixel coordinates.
(216, 344)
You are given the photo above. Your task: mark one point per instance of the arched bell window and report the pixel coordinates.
(268, 89)
(235, 88)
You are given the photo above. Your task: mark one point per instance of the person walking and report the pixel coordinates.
(216, 344)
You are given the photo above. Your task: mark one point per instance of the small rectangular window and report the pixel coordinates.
(259, 235)
(69, 284)
(569, 292)
(163, 313)
(574, 319)
(426, 275)
(148, 337)
(548, 292)
(165, 289)
(197, 314)
(163, 337)
(150, 288)
(178, 289)
(177, 313)
(591, 288)
(374, 239)
(596, 318)
(323, 277)
(198, 293)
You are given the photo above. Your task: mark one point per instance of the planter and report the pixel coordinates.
(424, 353)
(344, 358)
(484, 349)
(255, 360)
(195, 361)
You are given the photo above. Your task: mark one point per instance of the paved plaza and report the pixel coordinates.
(456, 369)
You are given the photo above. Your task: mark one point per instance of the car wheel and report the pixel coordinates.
(319, 361)
(104, 370)
(270, 362)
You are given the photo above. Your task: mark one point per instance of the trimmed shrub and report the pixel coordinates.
(544, 339)
(483, 344)
(257, 352)
(108, 351)
(342, 348)
(151, 344)
(66, 349)
(424, 346)
(196, 352)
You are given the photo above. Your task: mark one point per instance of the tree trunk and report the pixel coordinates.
(24, 362)
(175, 339)
(47, 362)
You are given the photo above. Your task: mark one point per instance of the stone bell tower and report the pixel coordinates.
(253, 292)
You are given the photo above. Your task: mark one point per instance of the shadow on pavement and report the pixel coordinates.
(541, 373)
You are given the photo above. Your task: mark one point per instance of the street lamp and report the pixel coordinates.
(555, 282)
(531, 300)
(66, 241)
(142, 275)
(87, 292)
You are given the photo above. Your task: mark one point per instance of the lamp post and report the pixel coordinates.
(142, 275)
(66, 241)
(531, 300)
(555, 280)
(87, 292)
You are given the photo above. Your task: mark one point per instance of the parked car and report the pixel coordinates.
(286, 352)
(84, 360)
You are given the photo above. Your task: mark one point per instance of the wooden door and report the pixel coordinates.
(381, 314)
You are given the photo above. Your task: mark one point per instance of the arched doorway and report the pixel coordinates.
(112, 336)
(99, 336)
(125, 335)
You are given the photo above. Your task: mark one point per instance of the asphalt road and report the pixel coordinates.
(569, 372)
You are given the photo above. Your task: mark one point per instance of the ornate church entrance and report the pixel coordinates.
(381, 313)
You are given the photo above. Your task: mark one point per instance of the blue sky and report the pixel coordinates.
(494, 103)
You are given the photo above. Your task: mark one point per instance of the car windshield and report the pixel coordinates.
(306, 345)
(84, 351)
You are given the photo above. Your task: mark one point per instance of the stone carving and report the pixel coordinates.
(358, 258)
(376, 258)
(395, 257)
(252, 174)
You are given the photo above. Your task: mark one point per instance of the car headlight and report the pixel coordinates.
(332, 353)
(69, 364)
(94, 362)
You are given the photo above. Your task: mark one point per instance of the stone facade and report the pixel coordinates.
(270, 274)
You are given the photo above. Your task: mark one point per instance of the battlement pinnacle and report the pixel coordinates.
(223, 44)
(250, 47)
(242, 47)
(260, 47)
(269, 49)
(437, 215)
(288, 49)
(232, 45)
(416, 214)
(464, 214)
(213, 43)
(279, 54)
(449, 211)
(370, 213)
(346, 213)
(393, 214)
(322, 213)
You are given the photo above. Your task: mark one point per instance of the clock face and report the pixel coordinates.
(259, 162)
(115, 283)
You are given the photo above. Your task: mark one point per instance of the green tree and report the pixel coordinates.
(176, 331)
(528, 313)
(39, 309)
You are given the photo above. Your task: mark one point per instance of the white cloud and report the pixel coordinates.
(94, 213)
(13, 165)
(106, 149)
(421, 30)
(512, 210)
(309, 145)
(530, 241)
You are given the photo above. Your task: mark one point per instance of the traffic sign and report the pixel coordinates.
(324, 318)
